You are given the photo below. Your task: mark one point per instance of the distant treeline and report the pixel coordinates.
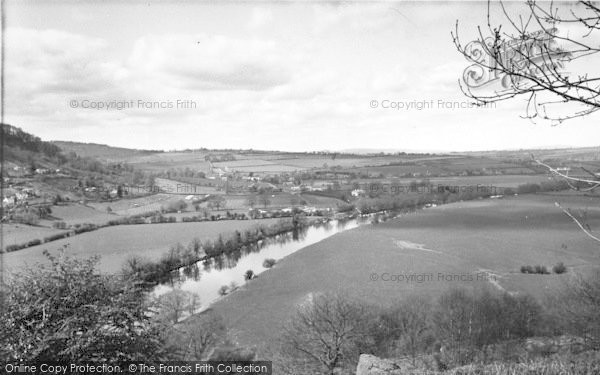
(389, 202)
(16, 137)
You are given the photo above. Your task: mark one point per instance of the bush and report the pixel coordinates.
(526, 269)
(86, 227)
(28, 218)
(269, 262)
(34, 242)
(14, 247)
(541, 270)
(249, 275)
(559, 268)
(223, 290)
(59, 225)
(69, 311)
(55, 237)
(179, 205)
(528, 188)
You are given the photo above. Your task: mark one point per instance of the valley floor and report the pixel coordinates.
(465, 244)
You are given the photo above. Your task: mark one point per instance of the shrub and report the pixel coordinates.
(86, 227)
(34, 242)
(541, 270)
(527, 269)
(249, 275)
(14, 247)
(55, 237)
(559, 268)
(223, 290)
(71, 312)
(528, 188)
(269, 262)
(179, 205)
(28, 218)
(59, 225)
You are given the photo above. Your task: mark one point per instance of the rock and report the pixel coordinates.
(371, 365)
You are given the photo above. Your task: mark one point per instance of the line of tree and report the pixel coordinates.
(180, 256)
(329, 331)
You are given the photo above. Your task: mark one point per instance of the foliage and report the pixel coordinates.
(559, 268)
(223, 290)
(175, 206)
(542, 270)
(68, 311)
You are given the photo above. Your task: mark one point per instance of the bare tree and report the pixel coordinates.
(201, 334)
(578, 307)
(325, 333)
(217, 202)
(264, 199)
(174, 304)
(529, 58)
(410, 320)
(251, 201)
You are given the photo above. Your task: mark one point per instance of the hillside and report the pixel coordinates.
(100, 151)
(22, 148)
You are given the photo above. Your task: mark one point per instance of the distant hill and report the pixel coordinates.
(102, 152)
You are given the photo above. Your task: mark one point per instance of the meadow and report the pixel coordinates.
(77, 213)
(116, 244)
(464, 244)
(15, 233)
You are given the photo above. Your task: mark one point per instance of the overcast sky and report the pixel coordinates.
(282, 76)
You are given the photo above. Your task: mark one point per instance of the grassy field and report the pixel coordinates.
(126, 207)
(482, 242)
(16, 234)
(76, 213)
(116, 244)
(498, 181)
(164, 161)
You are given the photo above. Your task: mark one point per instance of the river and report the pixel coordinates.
(206, 278)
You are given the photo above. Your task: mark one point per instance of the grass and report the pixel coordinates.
(116, 244)
(499, 181)
(76, 213)
(489, 238)
(20, 233)
(127, 207)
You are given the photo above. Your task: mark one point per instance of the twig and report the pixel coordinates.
(579, 224)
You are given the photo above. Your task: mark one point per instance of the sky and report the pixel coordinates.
(292, 76)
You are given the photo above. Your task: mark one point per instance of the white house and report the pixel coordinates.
(357, 192)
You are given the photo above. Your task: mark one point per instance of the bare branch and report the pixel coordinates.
(579, 224)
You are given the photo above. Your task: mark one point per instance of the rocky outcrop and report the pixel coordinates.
(371, 365)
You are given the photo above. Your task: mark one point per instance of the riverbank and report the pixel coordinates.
(497, 235)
